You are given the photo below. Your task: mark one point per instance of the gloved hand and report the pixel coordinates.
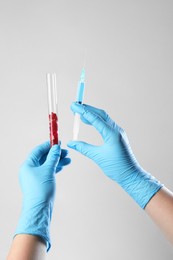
(37, 181)
(115, 156)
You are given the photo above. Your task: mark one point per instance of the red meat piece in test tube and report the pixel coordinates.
(53, 128)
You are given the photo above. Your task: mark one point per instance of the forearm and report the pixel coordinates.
(160, 209)
(27, 247)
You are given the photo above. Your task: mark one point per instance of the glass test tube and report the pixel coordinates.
(52, 108)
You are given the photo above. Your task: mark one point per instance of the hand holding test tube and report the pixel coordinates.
(79, 99)
(52, 108)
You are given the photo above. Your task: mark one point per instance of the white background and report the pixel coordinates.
(129, 64)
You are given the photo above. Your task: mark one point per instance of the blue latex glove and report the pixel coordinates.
(37, 181)
(115, 156)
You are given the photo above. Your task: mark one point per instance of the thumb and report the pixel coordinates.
(53, 156)
(82, 147)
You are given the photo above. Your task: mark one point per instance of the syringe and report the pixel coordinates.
(52, 108)
(79, 99)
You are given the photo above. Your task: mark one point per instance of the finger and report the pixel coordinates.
(62, 163)
(100, 112)
(95, 120)
(82, 147)
(53, 156)
(58, 169)
(37, 153)
(64, 153)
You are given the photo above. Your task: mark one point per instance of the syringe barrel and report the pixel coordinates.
(80, 92)
(52, 108)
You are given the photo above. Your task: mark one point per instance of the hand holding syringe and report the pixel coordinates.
(79, 99)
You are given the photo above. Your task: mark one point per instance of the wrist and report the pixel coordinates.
(36, 221)
(141, 186)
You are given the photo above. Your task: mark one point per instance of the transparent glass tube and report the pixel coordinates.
(52, 108)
